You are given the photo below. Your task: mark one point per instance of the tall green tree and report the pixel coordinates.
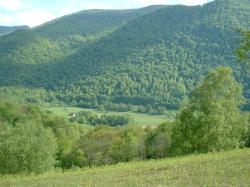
(243, 51)
(26, 148)
(212, 119)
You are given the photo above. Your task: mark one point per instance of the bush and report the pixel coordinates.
(128, 145)
(96, 145)
(106, 145)
(76, 158)
(26, 148)
(158, 141)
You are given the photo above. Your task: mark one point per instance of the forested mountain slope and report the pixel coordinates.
(63, 36)
(154, 57)
(6, 30)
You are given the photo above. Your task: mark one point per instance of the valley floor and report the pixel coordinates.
(138, 118)
(230, 168)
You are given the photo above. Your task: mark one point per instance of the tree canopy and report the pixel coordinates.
(212, 119)
(243, 51)
(26, 148)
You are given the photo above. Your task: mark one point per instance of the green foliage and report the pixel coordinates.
(219, 125)
(96, 145)
(158, 141)
(212, 120)
(128, 145)
(27, 95)
(90, 118)
(244, 51)
(105, 145)
(75, 158)
(248, 132)
(15, 113)
(67, 134)
(96, 58)
(26, 148)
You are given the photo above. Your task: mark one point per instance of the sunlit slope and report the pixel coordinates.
(219, 169)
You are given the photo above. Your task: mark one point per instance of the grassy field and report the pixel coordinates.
(215, 169)
(138, 119)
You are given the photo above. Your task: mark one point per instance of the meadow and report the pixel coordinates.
(138, 118)
(231, 168)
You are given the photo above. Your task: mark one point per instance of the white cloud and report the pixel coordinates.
(5, 19)
(31, 18)
(153, 2)
(98, 5)
(34, 17)
(11, 5)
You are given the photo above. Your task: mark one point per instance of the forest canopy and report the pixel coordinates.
(151, 56)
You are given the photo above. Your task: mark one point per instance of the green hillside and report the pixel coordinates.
(63, 36)
(214, 169)
(7, 30)
(90, 22)
(150, 57)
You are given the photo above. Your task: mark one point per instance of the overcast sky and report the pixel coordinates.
(36, 12)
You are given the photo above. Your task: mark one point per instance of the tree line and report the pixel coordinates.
(34, 141)
(90, 118)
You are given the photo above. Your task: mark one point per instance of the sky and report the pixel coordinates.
(36, 12)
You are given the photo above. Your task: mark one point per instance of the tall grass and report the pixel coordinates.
(230, 168)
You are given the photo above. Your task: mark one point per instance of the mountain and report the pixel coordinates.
(152, 56)
(7, 30)
(63, 36)
(90, 22)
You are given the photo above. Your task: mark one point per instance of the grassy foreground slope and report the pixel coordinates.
(215, 169)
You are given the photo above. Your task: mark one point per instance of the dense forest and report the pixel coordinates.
(34, 141)
(149, 57)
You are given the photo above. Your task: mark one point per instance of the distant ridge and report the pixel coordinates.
(9, 29)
